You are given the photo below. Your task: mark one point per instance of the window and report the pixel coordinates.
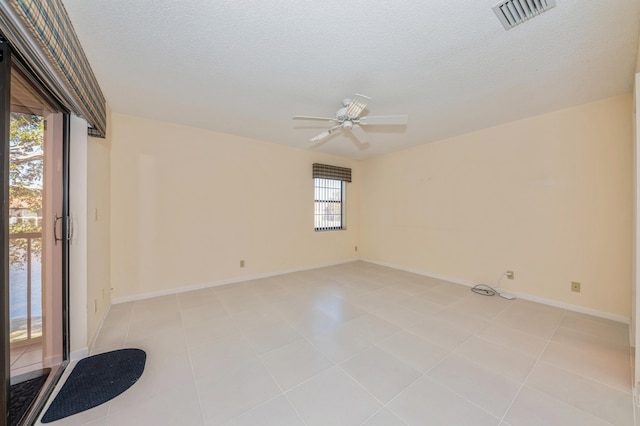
(329, 204)
(330, 184)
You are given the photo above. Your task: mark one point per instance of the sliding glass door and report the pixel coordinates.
(33, 240)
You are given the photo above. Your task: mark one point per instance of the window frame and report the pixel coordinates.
(342, 202)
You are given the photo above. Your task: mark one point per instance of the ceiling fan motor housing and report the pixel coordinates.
(341, 115)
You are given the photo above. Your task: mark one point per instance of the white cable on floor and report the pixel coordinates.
(487, 290)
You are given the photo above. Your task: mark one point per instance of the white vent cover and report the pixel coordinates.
(515, 12)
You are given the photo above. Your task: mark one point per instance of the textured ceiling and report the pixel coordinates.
(245, 67)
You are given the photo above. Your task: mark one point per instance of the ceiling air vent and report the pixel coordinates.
(515, 12)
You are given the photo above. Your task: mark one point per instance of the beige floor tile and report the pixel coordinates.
(420, 304)
(413, 285)
(419, 353)
(384, 418)
(221, 354)
(235, 390)
(255, 318)
(371, 328)
(465, 321)
(513, 339)
(479, 306)
(534, 408)
(332, 398)
(600, 400)
(618, 332)
(591, 343)
(201, 313)
(452, 289)
(443, 299)
(340, 311)
(277, 412)
(114, 336)
(382, 374)
(202, 353)
(312, 323)
(271, 336)
(155, 308)
(241, 303)
(499, 359)
(118, 318)
(532, 318)
(608, 368)
(398, 315)
(340, 344)
(148, 327)
(167, 363)
(380, 298)
(427, 402)
(294, 363)
(204, 333)
(479, 385)
(193, 299)
(176, 405)
(440, 332)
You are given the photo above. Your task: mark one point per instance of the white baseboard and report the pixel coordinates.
(201, 286)
(523, 296)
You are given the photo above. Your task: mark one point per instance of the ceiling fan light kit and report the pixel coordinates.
(349, 118)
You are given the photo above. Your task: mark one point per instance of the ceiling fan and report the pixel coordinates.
(349, 118)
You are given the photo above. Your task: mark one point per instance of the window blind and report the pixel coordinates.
(325, 171)
(41, 32)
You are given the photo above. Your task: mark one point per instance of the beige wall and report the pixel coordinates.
(547, 197)
(98, 229)
(188, 204)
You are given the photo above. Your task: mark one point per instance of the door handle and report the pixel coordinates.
(56, 218)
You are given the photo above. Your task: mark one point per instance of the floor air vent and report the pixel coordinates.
(515, 12)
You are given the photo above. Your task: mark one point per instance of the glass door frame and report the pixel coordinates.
(7, 59)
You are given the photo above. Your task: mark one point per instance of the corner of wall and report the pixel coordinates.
(98, 222)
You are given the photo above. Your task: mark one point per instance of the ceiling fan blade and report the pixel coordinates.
(373, 120)
(357, 105)
(324, 134)
(309, 117)
(361, 137)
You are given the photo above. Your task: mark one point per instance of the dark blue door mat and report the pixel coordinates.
(96, 380)
(23, 394)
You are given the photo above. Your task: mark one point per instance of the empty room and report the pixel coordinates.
(330, 213)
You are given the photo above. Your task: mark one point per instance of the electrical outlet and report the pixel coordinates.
(510, 275)
(242, 263)
(356, 248)
(575, 286)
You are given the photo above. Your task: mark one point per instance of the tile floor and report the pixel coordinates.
(360, 344)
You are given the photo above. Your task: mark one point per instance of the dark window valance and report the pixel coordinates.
(42, 34)
(325, 171)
